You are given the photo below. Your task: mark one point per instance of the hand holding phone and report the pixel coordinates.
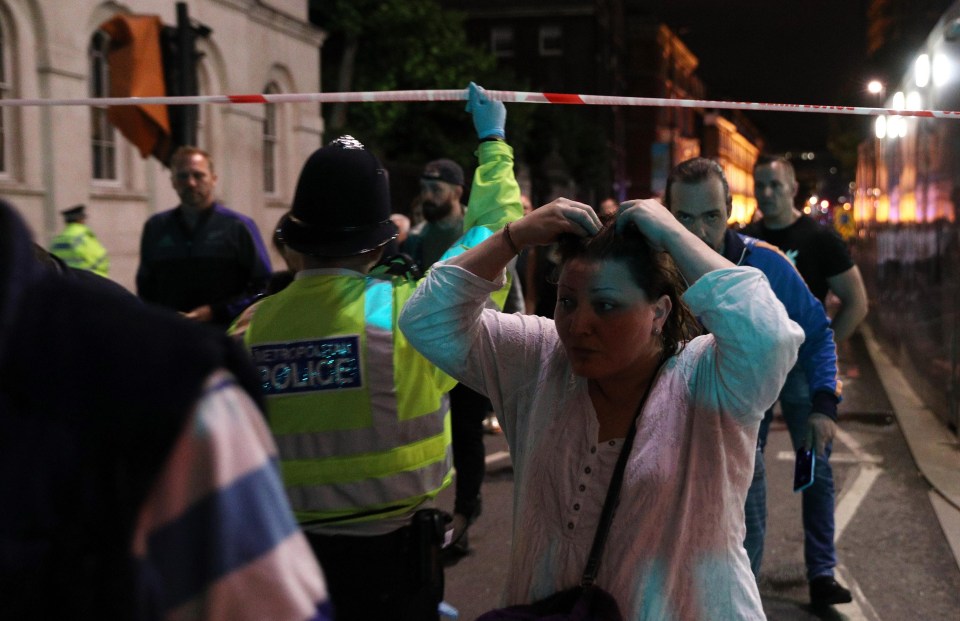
(803, 469)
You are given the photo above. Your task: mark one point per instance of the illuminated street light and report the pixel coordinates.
(875, 87)
(898, 100)
(921, 70)
(880, 127)
(914, 101)
(941, 69)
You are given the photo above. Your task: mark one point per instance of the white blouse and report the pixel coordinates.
(675, 548)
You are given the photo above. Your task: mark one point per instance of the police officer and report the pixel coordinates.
(78, 246)
(361, 419)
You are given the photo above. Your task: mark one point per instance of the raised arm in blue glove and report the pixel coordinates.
(489, 116)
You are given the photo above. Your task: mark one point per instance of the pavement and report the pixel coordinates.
(935, 449)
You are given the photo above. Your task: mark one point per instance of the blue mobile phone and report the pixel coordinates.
(803, 469)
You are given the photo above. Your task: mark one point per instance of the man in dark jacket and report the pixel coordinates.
(200, 258)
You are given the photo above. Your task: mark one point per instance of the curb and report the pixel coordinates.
(935, 449)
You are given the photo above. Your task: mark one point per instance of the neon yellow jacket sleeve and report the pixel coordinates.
(494, 201)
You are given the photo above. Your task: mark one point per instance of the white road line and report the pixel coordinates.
(859, 609)
(496, 458)
(853, 493)
(851, 443)
(838, 458)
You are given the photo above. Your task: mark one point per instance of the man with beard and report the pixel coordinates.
(200, 258)
(441, 187)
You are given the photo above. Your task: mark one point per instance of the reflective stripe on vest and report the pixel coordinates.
(374, 460)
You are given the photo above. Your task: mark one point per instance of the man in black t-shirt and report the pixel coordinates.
(820, 255)
(824, 262)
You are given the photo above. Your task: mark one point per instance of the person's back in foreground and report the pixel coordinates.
(567, 392)
(136, 471)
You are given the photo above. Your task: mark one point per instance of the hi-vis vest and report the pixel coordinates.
(361, 419)
(80, 249)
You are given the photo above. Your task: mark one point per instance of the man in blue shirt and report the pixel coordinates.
(698, 195)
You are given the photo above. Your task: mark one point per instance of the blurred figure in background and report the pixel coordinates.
(200, 258)
(78, 246)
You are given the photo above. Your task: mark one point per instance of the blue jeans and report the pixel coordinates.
(818, 526)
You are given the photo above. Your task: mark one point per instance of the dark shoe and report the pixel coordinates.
(459, 545)
(826, 591)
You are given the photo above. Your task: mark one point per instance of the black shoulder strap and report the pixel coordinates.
(613, 492)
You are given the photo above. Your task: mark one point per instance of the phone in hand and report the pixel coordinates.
(803, 469)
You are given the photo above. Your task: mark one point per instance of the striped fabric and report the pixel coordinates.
(216, 538)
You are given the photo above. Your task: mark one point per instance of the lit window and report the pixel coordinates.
(270, 139)
(103, 137)
(501, 41)
(551, 41)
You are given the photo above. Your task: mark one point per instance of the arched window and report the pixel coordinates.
(270, 142)
(103, 137)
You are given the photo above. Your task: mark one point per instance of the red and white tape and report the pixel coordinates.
(461, 94)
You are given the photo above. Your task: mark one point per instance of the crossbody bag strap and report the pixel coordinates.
(613, 492)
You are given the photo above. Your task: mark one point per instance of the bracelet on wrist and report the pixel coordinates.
(509, 239)
(492, 139)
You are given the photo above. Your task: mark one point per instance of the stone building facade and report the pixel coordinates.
(55, 157)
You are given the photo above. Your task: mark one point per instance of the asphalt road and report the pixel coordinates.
(891, 550)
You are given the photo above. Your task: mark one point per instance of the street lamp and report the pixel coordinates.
(876, 88)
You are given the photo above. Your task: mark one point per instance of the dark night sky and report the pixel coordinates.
(777, 51)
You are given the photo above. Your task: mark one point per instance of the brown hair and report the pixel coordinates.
(183, 154)
(695, 170)
(654, 272)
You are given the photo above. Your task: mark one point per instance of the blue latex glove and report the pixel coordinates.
(489, 117)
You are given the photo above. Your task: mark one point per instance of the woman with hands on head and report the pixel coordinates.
(567, 391)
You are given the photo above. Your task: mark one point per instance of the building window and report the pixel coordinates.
(5, 93)
(103, 137)
(551, 41)
(501, 41)
(270, 138)
(204, 113)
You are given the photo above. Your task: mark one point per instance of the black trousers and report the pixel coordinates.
(397, 576)
(468, 408)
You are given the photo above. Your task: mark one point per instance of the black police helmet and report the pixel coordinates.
(342, 203)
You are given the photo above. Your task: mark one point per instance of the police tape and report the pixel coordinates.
(461, 95)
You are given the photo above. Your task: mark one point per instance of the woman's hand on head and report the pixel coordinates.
(543, 225)
(652, 219)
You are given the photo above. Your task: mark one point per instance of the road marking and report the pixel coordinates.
(859, 609)
(949, 517)
(496, 458)
(848, 502)
(838, 458)
(853, 495)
